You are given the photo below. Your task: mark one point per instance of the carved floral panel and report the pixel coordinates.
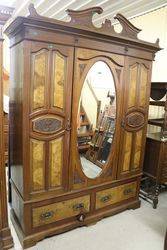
(134, 119)
(47, 124)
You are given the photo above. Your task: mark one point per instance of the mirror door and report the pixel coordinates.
(95, 116)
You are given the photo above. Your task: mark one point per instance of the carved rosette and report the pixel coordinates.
(47, 124)
(134, 120)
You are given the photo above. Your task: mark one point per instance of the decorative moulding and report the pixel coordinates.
(81, 22)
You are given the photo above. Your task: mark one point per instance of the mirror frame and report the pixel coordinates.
(112, 161)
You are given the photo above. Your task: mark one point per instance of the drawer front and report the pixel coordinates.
(60, 210)
(114, 195)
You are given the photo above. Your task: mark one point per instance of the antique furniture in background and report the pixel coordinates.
(51, 193)
(6, 241)
(155, 161)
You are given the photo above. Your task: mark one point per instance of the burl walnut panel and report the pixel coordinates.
(135, 116)
(61, 210)
(114, 195)
(39, 78)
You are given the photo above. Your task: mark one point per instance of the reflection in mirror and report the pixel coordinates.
(96, 119)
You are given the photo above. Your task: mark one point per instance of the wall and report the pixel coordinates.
(153, 26)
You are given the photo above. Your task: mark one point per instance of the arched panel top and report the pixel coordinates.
(59, 76)
(39, 73)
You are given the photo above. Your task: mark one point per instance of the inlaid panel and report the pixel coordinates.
(47, 124)
(143, 85)
(114, 195)
(134, 120)
(59, 77)
(61, 210)
(132, 85)
(127, 151)
(137, 149)
(39, 77)
(56, 161)
(37, 159)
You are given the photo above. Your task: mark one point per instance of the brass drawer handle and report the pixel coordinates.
(78, 206)
(128, 191)
(47, 215)
(105, 198)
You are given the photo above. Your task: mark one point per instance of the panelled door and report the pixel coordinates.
(49, 116)
(135, 111)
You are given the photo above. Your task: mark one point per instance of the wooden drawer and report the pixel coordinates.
(113, 195)
(60, 210)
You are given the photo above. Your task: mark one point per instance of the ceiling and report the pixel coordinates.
(56, 8)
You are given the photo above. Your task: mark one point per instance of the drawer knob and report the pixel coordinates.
(128, 191)
(47, 215)
(81, 217)
(78, 206)
(105, 198)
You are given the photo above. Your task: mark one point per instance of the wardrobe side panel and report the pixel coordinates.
(16, 116)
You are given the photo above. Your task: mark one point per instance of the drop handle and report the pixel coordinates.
(128, 191)
(81, 217)
(47, 215)
(68, 125)
(106, 198)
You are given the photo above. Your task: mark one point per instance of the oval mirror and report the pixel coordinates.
(96, 119)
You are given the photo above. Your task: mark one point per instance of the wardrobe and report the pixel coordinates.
(52, 191)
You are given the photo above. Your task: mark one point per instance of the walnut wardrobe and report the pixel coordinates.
(52, 191)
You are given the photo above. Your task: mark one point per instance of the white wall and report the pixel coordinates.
(154, 25)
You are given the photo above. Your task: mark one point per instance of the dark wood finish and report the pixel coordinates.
(6, 241)
(37, 187)
(155, 161)
(155, 165)
(159, 91)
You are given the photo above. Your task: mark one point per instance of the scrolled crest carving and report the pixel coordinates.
(128, 29)
(82, 19)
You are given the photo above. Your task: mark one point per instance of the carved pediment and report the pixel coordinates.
(82, 19)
